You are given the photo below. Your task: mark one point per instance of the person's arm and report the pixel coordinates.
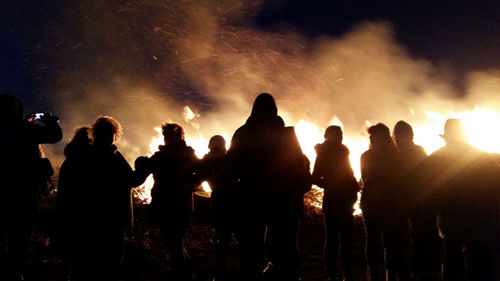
(142, 169)
(50, 133)
(130, 178)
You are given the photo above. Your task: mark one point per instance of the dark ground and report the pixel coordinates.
(145, 258)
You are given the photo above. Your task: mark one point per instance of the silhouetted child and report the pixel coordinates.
(223, 198)
(333, 173)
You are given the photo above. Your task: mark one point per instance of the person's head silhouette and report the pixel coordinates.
(334, 134)
(172, 133)
(217, 143)
(82, 135)
(106, 131)
(403, 134)
(380, 136)
(454, 132)
(264, 106)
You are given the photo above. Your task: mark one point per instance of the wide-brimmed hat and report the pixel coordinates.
(453, 130)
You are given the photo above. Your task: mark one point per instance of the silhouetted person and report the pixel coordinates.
(293, 180)
(104, 177)
(45, 174)
(380, 203)
(72, 202)
(20, 170)
(333, 173)
(269, 163)
(465, 184)
(171, 205)
(223, 198)
(423, 231)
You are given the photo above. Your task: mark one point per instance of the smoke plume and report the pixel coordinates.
(143, 61)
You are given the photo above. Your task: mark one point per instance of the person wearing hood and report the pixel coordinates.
(267, 160)
(464, 184)
(174, 171)
(381, 205)
(333, 172)
(20, 171)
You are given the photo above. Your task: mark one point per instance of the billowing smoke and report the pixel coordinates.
(143, 61)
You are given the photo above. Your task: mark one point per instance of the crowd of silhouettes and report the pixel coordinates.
(409, 199)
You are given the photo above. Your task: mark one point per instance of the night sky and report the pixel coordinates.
(463, 36)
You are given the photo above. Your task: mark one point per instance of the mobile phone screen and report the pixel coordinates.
(39, 116)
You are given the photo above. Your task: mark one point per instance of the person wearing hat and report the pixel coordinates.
(464, 185)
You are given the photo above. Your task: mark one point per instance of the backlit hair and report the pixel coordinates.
(107, 123)
(173, 129)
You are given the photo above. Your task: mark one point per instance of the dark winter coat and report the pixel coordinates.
(268, 160)
(94, 186)
(333, 173)
(21, 165)
(73, 193)
(174, 171)
(416, 201)
(380, 172)
(465, 184)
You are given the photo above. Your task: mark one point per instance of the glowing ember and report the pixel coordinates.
(188, 113)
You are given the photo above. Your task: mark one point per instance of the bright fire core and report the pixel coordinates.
(477, 124)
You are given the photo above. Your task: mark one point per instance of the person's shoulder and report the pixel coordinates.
(318, 147)
(367, 153)
(190, 150)
(419, 149)
(370, 156)
(439, 153)
(344, 148)
(206, 157)
(240, 131)
(157, 155)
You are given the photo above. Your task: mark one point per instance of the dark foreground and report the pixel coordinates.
(145, 258)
